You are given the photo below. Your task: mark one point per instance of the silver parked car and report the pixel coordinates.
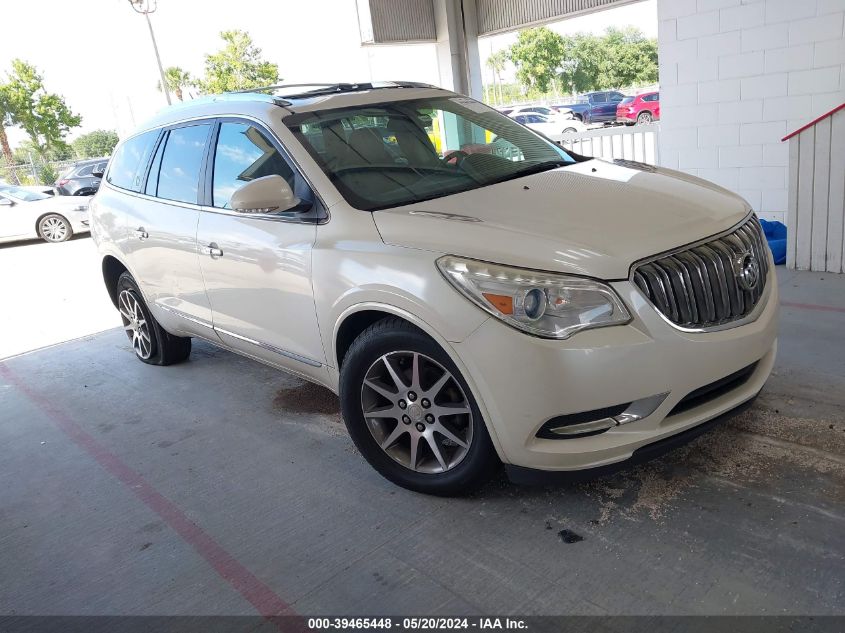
(27, 214)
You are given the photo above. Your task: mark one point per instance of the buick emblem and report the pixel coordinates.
(747, 271)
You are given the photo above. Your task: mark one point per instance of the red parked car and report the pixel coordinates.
(642, 109)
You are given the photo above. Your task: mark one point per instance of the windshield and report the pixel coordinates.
(23, 195)
(400, 152)
(626, 100)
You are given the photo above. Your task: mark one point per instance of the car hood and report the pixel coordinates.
(592, 218)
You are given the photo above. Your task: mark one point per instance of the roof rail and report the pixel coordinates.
(328, 88)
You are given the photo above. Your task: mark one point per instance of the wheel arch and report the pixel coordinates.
(113, 268)
(349, 326)
(358, 318)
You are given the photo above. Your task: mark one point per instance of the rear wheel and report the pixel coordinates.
(54, 228)
(410, 412)
(569, 130)
(644, 118)
(150, 342)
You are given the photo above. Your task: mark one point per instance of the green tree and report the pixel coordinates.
(629, 59)
(5, 120)
(95, 144)
(177, 81)
(584, 62)
(28, 151)
(237, 66)
(44, 116)
(537, 55)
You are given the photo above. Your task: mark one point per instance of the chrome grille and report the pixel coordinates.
(702, 286)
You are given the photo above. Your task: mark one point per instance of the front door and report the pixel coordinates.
(162, 228)
(257, 267)
(16, 217)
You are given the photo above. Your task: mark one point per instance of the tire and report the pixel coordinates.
(150, 342)
(54, 228)
(467, 458)
(644, 118)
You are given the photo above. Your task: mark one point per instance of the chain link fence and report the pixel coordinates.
(34, 172)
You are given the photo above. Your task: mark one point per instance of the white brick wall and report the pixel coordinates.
(738, 75)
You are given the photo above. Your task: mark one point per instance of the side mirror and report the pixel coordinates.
(268, 194)
(5, 202)
(97, 174)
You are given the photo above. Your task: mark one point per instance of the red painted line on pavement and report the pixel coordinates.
(259, 595)
(811, 306)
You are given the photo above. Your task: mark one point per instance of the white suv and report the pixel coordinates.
(475, 294)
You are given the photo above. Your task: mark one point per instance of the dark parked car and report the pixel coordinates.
(595, 107)
(83, 179)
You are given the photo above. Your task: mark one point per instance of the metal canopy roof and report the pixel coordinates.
(401, 21)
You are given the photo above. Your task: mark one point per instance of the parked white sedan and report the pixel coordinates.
(26, 214)
(550, 127)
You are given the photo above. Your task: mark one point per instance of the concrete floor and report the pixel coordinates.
(224, 487)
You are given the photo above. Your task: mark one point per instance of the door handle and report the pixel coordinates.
(141, 232)
(213, 250)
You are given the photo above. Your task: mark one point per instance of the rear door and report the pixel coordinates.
(257, 267)
(606, 110)
(162, 226)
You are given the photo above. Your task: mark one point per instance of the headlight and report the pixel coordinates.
(544, 304)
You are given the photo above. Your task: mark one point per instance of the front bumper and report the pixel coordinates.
(521, 381)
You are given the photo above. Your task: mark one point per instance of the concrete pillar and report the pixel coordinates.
(458, 59)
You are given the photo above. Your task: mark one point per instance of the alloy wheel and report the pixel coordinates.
(417, 412)
(54, 229)
(135, 324)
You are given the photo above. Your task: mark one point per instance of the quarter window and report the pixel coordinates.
(127, 167)
(244, 153)
(178, 177)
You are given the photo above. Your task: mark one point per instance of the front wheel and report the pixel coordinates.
(150, 342)
(411, 414)
(54, 228)
(570, 130)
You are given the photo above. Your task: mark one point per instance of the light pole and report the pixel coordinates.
(146, 7)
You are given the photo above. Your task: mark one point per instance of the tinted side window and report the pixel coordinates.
(599, 97)
(86, 170)
(126, 168)
(244, 153)
(180, 163)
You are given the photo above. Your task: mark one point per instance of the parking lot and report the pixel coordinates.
(221, 486)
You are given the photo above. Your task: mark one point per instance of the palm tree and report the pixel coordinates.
(177, 80)
(497, 62)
